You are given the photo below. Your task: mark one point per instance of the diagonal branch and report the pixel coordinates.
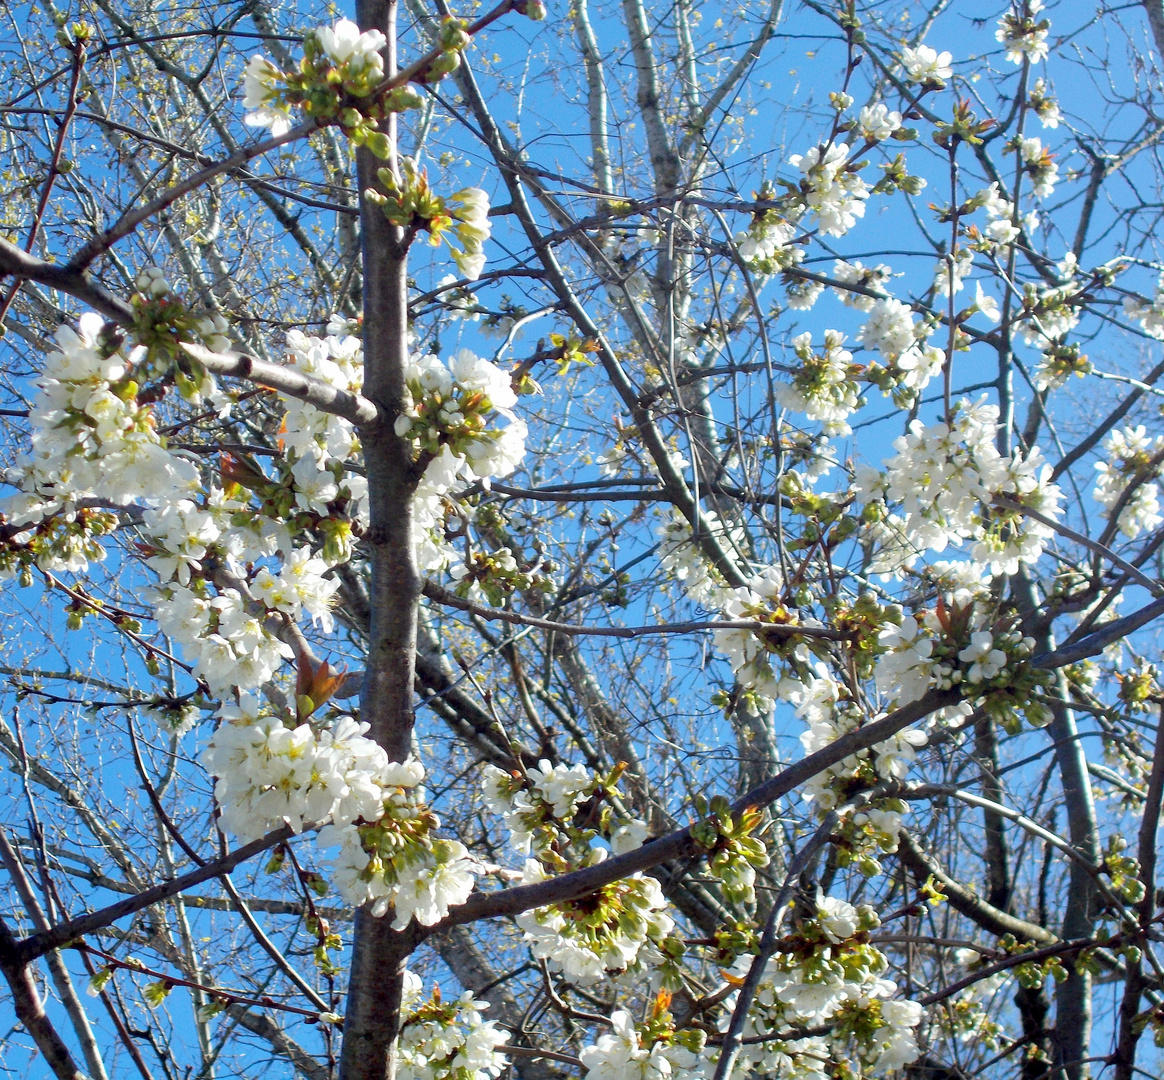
(38, 944)
(29, 1010)
(1102, 550)
(961, 899)
(680, 844)
(738, 71)
(354, 408)
(133, 218)
(441, 595)
(72, 282)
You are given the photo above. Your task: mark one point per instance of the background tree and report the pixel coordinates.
(777, 604)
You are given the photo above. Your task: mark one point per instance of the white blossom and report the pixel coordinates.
(259, 97)
(835, 193)
(1132, 457)
(345, 44)
(925, 64)
(1023, 35)
(878, 122)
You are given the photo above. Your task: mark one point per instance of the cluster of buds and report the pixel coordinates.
(556, 812)
(1139, 688)
(1059, 362)
(339, 80)
(326, 940)
(767, 244)
(896, 177)
(496, 575)
(992, 669)
(69, 540)
(862, 619)
(1045, 107)
(401, 843)
(862, 837)
(1023, 34)
(162, 323)
(453, 38)
(602, 932)
(461, 218)
(1123, 870)
(733, 852)
(1032, 974)
(963, 127)
(304, 495)
(659, 1028)
(950, 647)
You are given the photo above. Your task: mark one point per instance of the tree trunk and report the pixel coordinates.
(372, 1016)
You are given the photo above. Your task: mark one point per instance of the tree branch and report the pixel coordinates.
(38, 944)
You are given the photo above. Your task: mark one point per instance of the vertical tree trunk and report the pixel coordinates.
(372, 1015)
(1130, 1030)
(1072, 1034)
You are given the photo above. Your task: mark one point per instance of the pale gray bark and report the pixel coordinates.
(62, 980)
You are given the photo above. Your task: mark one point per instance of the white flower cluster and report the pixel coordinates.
(621, 1055)
(891, 330)
(927, 66)
(442, 1040)
(587, 940)
(550, 798)
(355, 55)
(827, 709)
(449, 404)
(311, 433)
(1039, 165)
(345, 44)
(1149, 315)
(684, 560)
(877, 122)
(1044, 105)
(913, 665)
(830, 188)
(951, 273)
(971, 1016)
(395, 861)
(226, 633)
(945, 476)
(470, 209)
(451, 414)
(802, 293)
(222, 635)
(757, 659)
(172, 718)
(1058, 363)
(824, 388)
(268, 774)
(836, 981)
(260, 89)
(867, 277)
(540, 807)
(1022, 35)
(91, 439)
(766, 245)
(1132, 457)
(830, 713)
(1049, 314)
(602, 933)
(458, 303)
(999, 212)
